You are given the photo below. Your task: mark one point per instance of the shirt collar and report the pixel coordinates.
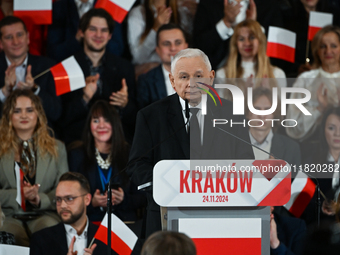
(23, 65)
(182, 101)
(265, 141)
(165, 72)
(78, 2)
(70, 229)
(329, 75)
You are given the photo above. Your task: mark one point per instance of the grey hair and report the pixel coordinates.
(190, 53)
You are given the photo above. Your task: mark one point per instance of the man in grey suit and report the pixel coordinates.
(155, 84)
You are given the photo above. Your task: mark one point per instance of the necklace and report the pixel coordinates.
(104, 164)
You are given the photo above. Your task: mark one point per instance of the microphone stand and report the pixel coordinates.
(109, 209)
(318, 203)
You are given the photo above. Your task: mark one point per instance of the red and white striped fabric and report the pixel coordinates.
(117, 8)
(123, 240)
(303, 189)
(281, 44)
(224, 236)
(68, 76)
(19, 174)
(318, 20)
(39, 11)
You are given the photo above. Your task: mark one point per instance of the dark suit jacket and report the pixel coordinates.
(161, 134)
(53, 241)
(61, 40)
(151, 87)
(47, 94)
(133, 199)
(287, 149)
(74, 108)
(291, 232)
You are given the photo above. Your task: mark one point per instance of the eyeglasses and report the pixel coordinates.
(68, 199)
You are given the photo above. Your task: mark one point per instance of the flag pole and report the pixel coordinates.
(91, 243)
(41, 74)
(307, 52)
(109, 211)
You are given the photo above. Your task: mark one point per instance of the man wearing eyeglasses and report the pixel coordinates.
(74, 234)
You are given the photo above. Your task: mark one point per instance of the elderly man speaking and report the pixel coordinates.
(162, 127)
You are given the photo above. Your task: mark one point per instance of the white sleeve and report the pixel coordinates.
(305, 123)
(280, 75)
(141, 52)
(224, 31)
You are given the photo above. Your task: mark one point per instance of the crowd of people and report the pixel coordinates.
(137, 92)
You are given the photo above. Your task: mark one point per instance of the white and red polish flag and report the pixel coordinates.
(302, 189)
(19, 174)
(281, 44)
(123, 240)
(117, 8)
(237, 236)
(318, 20)
(68, 76)
(39, 11)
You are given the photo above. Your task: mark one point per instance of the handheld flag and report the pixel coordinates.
(117, 8)
(39, 11)
(281, 44)
(123, 240)
(68, 76)
(303, 189)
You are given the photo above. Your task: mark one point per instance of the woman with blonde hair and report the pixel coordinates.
(26, 142)
(247, 58)
(323, 82)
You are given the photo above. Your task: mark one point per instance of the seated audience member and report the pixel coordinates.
(18, 68)
(26, 141)
(327, 155)
(101, 158)
(264, 136)
(64, 37)
(286, 234)
(37, 33)
(168, 243)
(298, 22)
(108, 77)
(247, 57)
(75, 233)
(5, 238)
(155, 84)
(214, 22)
(323, 83)
(143, 22)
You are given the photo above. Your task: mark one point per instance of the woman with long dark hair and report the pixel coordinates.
(103, 156)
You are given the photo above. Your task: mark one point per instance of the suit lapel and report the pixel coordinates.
(8, 166)
(42, 166)
(60, 232)
(175, 119)
(276, 149)
(160, 83)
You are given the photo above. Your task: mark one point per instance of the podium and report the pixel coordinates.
(223, 205)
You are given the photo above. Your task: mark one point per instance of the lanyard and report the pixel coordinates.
(104, 180)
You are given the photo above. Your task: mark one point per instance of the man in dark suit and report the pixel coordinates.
(161, 130)
(108, 77)
(63, 37)
(155, 84)
(75, 231)
(18, 67)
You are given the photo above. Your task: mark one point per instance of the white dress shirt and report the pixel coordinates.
(81, 240)
(169, 89)
(265, 145)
